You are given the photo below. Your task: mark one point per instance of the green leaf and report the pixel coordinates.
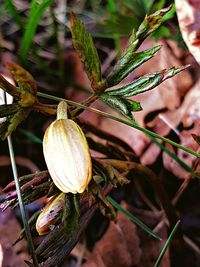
(31, 136)
(7, 127)
(149, 25)
(83, 43)
(132, 218)
(146, 82)
(72, 218)
(162, 32)
(121, 105)
(6, 110)
(169, 240)
(123, 67)
(128, 63)
(36, 12)
(170, 15)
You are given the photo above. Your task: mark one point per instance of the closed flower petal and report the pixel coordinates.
(67, 156)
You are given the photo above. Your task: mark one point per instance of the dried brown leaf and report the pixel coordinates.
(10, 230)
(120, 246)
(188, 13)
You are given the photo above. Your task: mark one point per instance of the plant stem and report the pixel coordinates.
(129, 123)
(86, 103)
(21, 203)
(48, 109)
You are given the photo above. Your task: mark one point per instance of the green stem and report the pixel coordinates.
(129, 123)
(21, 203)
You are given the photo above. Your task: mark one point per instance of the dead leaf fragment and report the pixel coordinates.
(9, 232)
(120, 246)
(188, 13)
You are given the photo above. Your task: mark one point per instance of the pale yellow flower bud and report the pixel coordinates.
(48, 216)
(67, 156)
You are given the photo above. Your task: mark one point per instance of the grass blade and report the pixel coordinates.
(30, 136)
(169, 240)
(129, 123)
(132, 218)
(173, 156)
(36, 13)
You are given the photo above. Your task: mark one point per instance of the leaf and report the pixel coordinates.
(169, 240)
(23, 78)
(7, 127)
(121, 105)
(132, 218)
(30, 136)
(6, 110)
(150, 24)
(26, 83)
(83, 43)
(119, 246)
(188, 13)
(36, 12)
(72, 221)
(24, 99)
(128, 63)
(146, 82)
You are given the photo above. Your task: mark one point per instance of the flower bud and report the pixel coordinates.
(67, 155)
(49, 214)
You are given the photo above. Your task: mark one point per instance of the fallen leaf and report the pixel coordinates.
(189, 115)
(21, 161)
(188, 13)
(120, 246)
(10, 230)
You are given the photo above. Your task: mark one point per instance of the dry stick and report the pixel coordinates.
(181, 190)
(143, 196)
